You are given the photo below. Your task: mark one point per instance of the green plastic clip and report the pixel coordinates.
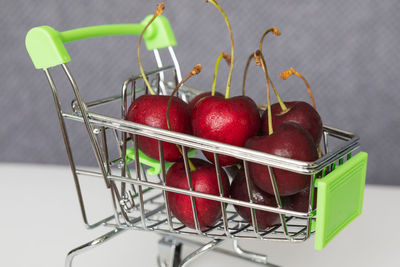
(155, 166)
(340, 198)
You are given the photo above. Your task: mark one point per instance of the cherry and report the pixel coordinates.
(239, 191)
(231, 121)
(298, 112)
(151, 110)
(309, 119)
(204, 179)
(300, 201)
(200, 97)
(226, 120)
(290, 140)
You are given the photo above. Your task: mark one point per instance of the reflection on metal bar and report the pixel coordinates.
(325, 139)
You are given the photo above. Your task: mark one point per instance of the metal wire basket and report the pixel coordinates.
(138, 184)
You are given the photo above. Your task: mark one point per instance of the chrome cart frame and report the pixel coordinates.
(139, 194)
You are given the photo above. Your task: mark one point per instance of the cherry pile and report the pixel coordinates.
(287, 129)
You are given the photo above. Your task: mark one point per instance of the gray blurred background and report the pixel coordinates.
(348, 50)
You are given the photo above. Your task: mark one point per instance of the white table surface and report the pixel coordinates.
(41, 222)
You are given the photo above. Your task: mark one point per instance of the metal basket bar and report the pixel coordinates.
(138, 175)
(278, 199)
(221, 148)
(112, 98)
(251, 199)
(196, 194)
(163, 180)
(89, 127)
(221, 194)
(190, 185)
(68, 147)
(311, 204)
(213, 243)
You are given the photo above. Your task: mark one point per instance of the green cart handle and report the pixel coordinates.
(46, 47)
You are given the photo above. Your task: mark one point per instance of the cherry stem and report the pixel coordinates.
(276, 32)
(265, 69)
(245, 74)
(228, 24)
(228, 61)
(258, 57)
(286, 74)
(196, 70)
(159, 11)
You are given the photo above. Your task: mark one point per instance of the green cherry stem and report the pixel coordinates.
(258, 57)
(196, 70)
(228, 61)
(228, 24)
(159, 11)
(281, 103)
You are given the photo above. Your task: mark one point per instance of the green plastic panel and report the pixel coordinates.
(340, 198)
(46, 47)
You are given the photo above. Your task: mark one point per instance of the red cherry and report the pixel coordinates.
(231, 121)
(200, 97)
(151, 110)
(298, 112)
(239, 191)
(299, 202)
(204, 180)
(291, 141)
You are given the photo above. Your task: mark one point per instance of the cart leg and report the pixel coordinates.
(169, 252)
(200, 251)
(250, 256)
(91, 244)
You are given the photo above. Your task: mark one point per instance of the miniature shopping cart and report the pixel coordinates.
(137, 183)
